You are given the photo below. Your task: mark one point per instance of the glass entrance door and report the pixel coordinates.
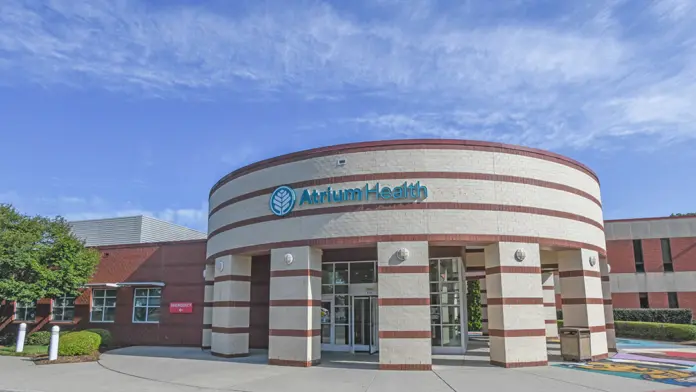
(374, 312)
(363, 324)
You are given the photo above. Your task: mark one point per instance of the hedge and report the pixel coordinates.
(105, 335)
(473, 298)
(670, 316)
(653, 331)
(79, 343)
(40, 338)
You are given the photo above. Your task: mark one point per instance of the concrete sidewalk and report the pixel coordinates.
(163, 369)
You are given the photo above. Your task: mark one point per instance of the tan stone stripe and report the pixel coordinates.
(229, 330)
(515, 301)
(296, 272)
(372, 239)
(513, 269)
(406, 176)
(516, 333)
(582, 301)
(296, 333)
(578, 273)
(404, 269)
(411, 144)
(231, 304)
(403, 301)
(405, 366)
(407, 206)
(233, 278)
(404, 334)
(295, 302)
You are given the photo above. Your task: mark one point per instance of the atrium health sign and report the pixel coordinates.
(284, 199)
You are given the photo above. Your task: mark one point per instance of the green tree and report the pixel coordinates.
(684, 214)
(41, 258)
(473, 301)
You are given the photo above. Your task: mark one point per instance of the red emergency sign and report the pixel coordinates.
(181, 307)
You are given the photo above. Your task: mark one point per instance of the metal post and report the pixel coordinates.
(20, 337)
(53, 345)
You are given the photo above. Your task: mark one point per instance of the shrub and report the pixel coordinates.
(8, 339)
(655, 331)
(39, 338)
(473, 297)
(104, 334)
(669, 316)
(559, 314)
(79, 343)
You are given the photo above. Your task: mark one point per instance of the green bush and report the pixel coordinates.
(39, 338)
(655, 331)
(473, 297)
(669, 316)
(79, 343)
(104, 334)
(8, 339)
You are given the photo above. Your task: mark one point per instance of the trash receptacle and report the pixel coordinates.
(575, 344)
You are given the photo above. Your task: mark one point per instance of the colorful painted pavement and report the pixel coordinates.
(666, 363)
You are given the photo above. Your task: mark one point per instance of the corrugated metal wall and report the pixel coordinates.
(131, 230)
(155, 230)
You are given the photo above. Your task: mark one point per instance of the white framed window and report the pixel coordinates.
(146, 305)
(103, 306)
(63, 308)
(446, 313)
(25, 311)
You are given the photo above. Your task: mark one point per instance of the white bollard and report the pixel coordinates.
(53, 345)
(21, 334)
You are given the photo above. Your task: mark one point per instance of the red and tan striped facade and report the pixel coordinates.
(525, 212)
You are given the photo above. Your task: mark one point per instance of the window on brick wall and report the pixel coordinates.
(638, 255)
(643, 298)
(673, 300)
(666, 255)
(63, 308)
(25, 311)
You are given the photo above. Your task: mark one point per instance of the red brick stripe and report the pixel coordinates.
(515, 301)
(406, 176)
(551, 321)
(606, 279)
(208, 304)
(207, 326)
(516, 333)
(509, 365)
(294, 302)
(609, 326)
(598, 329)
(230, 330)
(209, 283)
(550, 304)
(233, 278)
(231, 304)
(288, 362)
(403, 301)
(297, 333)
(412, 144)
(600, 357)
(405, 366)
(407, 206)
(371, 240)
(582, 301)
(607, 302)
(578, 273)
(404, 334)
(295, 272)
(403, 269)
(548, 287)
(513, 269)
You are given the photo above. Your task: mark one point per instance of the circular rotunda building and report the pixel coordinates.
(369, 246)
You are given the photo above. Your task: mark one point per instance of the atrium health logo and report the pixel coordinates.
(282, 201)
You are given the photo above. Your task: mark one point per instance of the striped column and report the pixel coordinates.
(484, 307)
(208, 299)
(582, 297)
(547, 284)
(231, 296)
(295, 307)
(516, 314)
(404, 307)
(608, 306)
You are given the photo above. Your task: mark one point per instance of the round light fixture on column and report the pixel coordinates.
(520, 255)
(608, 268)
(402, 254)
(204, 274)
(220, 265)
(593, 261)
(289, 258)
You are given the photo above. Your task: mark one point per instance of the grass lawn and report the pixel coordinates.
(29, 351)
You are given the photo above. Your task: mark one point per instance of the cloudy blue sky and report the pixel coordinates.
(120, 107)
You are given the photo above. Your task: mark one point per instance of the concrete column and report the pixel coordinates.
(608, 306)
(484, 307)
(515, 305)
(295, 307)
(582, 298)
(208, 298)
(404, 306)
(231, 296)
(547, 284)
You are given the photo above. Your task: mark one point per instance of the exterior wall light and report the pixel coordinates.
(520, 255)
(289, 258)
(220, 265)
(402, 254)
(593, 261)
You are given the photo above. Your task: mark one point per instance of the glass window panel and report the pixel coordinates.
(434, 276)
(31, 314)
(449, 287)
(448, 299)
(110, 314)
(451, 336)
(153, 301)
(70, 301)
(68, 314)
(341, 334)
(434, 287)
(341, 274)
(327, 273)
(362, 273)
(153, 314)
(140, 314)
(341, 315)
(326, 312)
(434, 299)
(435, 315)
(326, 289)
(110, 302)
(140, 292)
(342, 300)
(155, 292)
(436, 332)
(59, 302)
(326, 334)
(448, 270)
(97, 301)
(341, 289)
(110, 293)
(58, 314)
(450, 315)
(97, 315)
(141, 302)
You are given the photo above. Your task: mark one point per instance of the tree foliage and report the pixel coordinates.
(684, 214)
(41, 258)
(473, 301)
